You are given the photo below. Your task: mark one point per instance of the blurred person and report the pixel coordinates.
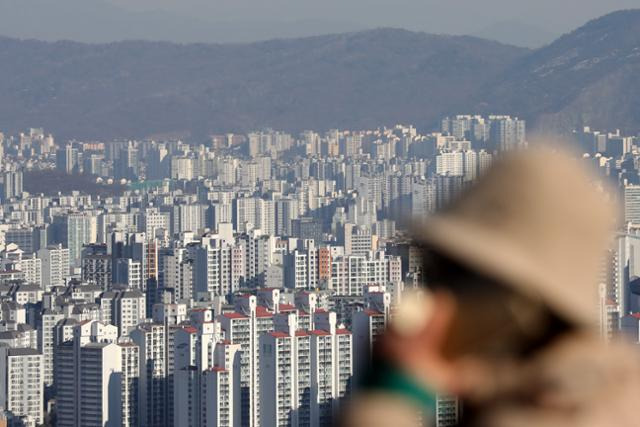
(508, 324)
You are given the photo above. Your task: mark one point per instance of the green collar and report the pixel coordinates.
(389, 379)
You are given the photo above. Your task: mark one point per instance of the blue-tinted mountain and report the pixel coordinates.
(586, 77)
(354, 80)
(136, 89)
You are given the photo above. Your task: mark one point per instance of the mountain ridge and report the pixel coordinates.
(362, 79)
(137, 88)
(578, 79)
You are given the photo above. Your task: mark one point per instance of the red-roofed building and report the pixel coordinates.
(205, 390)
(287, 307)
(245, 330)
(278, 334)
(190, 329)
(370, 312)
(292, 362)
(263, 312)
(285, 378)
(234, 315)
(351, 274)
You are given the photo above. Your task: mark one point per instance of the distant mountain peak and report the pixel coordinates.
(583, 77)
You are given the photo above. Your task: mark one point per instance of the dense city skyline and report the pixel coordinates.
(257, 268)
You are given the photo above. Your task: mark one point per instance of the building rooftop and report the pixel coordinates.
(23, 352)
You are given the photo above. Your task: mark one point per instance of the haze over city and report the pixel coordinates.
(279, 213)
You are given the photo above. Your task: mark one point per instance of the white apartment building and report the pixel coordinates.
(100, 388)
(258, 256)
(89, 377)
(350, 274)
(331, 368)
(21, 383)
(485, 160)
(31, 266)
(450, 163)
(304, 374)
(130, 383)
(126, 308)
(155, 224)
(301, 267)
(448, 410)
(189, 217)
(81, 228)
(153, 402)
(46, 343)
(632, 204)
(178, 274)
(358, 240)
(55, 266)
(285, 375)
(182, 168)
(244, 327)
(215, 272)
(97, 269)
(367, 325)
(221, 394)
(19, 336)
(206, 376)
(129, 273)
(508, 133)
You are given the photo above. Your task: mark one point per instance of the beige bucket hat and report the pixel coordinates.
(536, 222)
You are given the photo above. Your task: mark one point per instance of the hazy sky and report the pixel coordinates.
(241, 20)
(460, 15)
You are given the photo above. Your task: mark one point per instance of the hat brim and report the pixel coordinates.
(496, 257)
